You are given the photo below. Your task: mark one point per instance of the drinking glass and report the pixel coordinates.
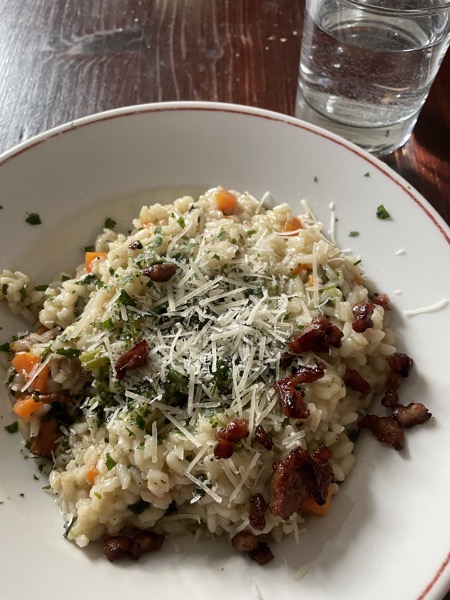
(367, 66)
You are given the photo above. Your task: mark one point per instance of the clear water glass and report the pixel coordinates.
(367, 66)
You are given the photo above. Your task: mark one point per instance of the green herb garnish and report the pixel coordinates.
(12, 427)
(110, 223)
(33, 219)
(110, 462)
(69, 352)
(107, 324)
(382, 213)
(353, 233)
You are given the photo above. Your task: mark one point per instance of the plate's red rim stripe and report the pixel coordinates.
(115, 114)
(439, 572)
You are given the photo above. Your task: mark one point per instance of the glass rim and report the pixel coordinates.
(372, 6)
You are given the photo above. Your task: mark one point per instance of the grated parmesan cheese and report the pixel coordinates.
(426, 309)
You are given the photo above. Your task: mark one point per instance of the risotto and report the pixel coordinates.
(173, 379)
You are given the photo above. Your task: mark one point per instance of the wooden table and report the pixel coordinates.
(61, 60)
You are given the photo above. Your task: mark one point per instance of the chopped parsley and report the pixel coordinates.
(181, 222)
(5, 347)
(41, 288)
(107, 324)
(110, 462)
(33, 219)
(69, 352)
(125, 299)
(86, 279)
(139, 421)
(12, 427)
(110, 223)
(367, 174)
(353, 233)
(89, 248)
(382, 213)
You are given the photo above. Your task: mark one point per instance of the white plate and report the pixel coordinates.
(387, 534)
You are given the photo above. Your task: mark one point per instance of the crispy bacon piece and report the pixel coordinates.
(389, 399)
(292, 403)
(247, 542)
(355, 381)
(382, 300)
(263, 438)
(400, 366)
(116, 546)
(286, 360)
(362, 314)
(415, 413)
(145, 541)
(319, 336)
(136, 245)
(235, 431)
(161, 272)
(385, 429)
(258, 507)
(294, 478)
(134, 358)
(122, 545)
(400, 363)
(262, 554)
(61, 397)
(244, 541)
(46, 441)
(322, 454)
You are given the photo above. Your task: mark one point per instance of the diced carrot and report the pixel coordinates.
(301, 267)
(90, 256)
(91, 474)
(27, 406)
(225, 201)
(24, 363)
(311, 507)
(292, 224)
